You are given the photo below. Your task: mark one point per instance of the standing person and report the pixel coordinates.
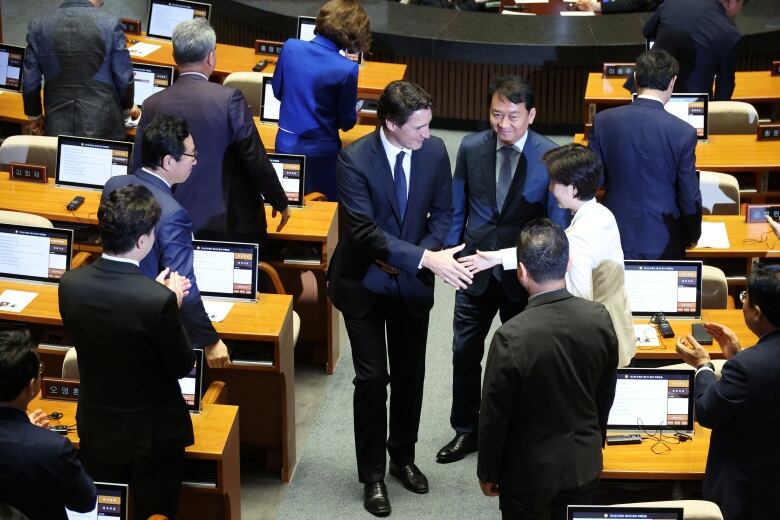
(80, 55)
(649, 158)
(394, 213)
(549, 385)
(500, 183)
(317, 87)
(133, 422)
(223, 194)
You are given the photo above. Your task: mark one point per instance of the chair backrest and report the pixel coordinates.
(714, 289)
(719, 193)
(18, 218)
(732, 117)
(70, 366)
(31, 149)
(250, 84)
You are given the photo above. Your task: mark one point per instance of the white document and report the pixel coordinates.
(517, 13)
(646, 336)
(577, 13)
(639, 402)
(88, 165)
(141, 49)
(532, 1)
(214, 271)
(713, 234)
(217, 310)
(15, 301)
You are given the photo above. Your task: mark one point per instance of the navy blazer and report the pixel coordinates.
(475, 218)
(649, 159)
(370, 227)
(40, 474)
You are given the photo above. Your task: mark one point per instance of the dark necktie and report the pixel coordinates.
(399, 179)
(504, 176)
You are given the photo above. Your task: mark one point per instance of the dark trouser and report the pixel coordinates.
(405, 349)
(473, 317)
(321, 175)
(154, 479)
(523, 507)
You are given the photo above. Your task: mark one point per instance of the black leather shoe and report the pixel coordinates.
(457, 448)
(410, 476)
(375, 498)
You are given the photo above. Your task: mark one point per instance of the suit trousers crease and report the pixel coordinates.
(404, 350)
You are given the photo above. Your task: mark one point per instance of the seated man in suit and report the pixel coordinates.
(40, 474)
(649, 158)
(132, 349)
(742, 473)
(167, 156)
(549, 385)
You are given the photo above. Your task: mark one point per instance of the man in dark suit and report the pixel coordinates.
(742, 472)
(618, 6)
(706, 50)
(549, 385)
(649, 158)
(500, 183)
(40, 474)
(167, 157)
(394, 213)
(223, 195)
(132, 419)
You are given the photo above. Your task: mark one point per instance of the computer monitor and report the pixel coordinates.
(306, 26)
(164, 15)
(34, 253)
(270, 106)
(226, 270)
(111, 503)
(624, 513)
(672, 287)
(652, 399)
(291, 170)
(11, 60)
(691, 108)
(192, 384)
(150, 79)
(83, 162)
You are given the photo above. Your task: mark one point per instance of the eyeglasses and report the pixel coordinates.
(742, 296)
(499, 116)
(194, 154)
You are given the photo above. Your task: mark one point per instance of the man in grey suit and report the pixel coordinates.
(549, 385)
(500, 183)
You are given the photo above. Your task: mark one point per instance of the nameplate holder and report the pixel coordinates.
(62, 389)
(776, 68)
(768, 132)
(618, 70)
(756, 213)
(271, 47)
(28, 172)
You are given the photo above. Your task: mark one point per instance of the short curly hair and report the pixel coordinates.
(345, 23)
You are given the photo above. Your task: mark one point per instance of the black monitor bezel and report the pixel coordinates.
(301, 21)
(680, 315)
(149, 17)
(302, 186)
(68, 257)
(21, 67)
(71, 184)
(255, 281)
(154, 68)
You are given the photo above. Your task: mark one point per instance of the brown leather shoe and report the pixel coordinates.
(410, 476)
(457, 448)
(375, 498)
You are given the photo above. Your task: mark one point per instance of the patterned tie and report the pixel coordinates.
(504, 176)
(399, 179)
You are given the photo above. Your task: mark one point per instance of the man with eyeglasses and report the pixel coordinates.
(742, 472)
(500, 183)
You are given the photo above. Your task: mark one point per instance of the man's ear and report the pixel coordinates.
(569, 264)
(522, 273)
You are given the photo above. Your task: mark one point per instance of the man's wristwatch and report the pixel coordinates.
(707, 364)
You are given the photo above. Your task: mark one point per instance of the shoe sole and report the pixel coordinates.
(379, 513)
(413, 490)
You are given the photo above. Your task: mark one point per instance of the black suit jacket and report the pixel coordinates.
(40, 474)
(629, 6)
(549, 384)
(132, 350)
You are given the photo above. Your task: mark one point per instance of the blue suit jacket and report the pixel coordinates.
(172, 248)
(649, 160)
(475, 218)
(40, 474)
(370, 227)
(742, 475)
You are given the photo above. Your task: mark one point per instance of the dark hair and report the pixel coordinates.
(575, 165)
(655, 69)
(512, 88)
(18, 362)
(401, 99)
(763, 289)
(124, 215)
(543, 249)
(345, 23)
(165, 135)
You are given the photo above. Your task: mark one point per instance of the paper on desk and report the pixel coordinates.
(217, 310)
(713, 234)
(532, 1)
(646, 336)
(141, 49)
(516, 13)
(577, 13)
(15, 301)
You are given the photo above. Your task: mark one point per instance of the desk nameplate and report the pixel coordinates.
(28, 172)
(131, 26)
(62, 389)
(768, 132)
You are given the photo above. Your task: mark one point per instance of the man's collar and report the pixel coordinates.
(150, 172)
(648, 96)
(548, 297)
(519, 145)
(120, 259)
(193, 73)
(390, 148)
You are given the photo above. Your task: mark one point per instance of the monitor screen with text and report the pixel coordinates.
(672, 287)
(291, 171)
(111, 503)
(624, 513)
(33, 253)
(306, 26)
(150, 79)
(88, 163)
(652, 399)
(11, 60)
(226, 269)
(191, 384)
(164, 15)
(270, 106)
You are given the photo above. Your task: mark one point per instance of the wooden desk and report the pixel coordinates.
(268, 133)
(216, 439)
(745, 240)
(48, 200)
(12, 108)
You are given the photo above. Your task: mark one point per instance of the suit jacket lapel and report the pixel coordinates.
(487, 158)
(384, 174)
(416, 181)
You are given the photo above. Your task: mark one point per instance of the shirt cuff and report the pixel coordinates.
(508, 258)
(419, 265)
(704, 367)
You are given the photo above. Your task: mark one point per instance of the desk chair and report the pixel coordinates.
(31, 149)
(273, 275)
(719, 193)
(18, 218)
(714, 289)
(692, 509)
(70, 365)
(732, 117)
(250, 84)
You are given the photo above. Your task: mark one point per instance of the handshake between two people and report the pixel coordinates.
(459, 273)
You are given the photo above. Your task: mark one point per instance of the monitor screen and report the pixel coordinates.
(226, 269)
(111, 503)
(672, 287)
(652, 399)
(164, 15)
(150, 79)
(291, 170)
(11, 59)
(33, 253)
(191, 384)
(269, 105)
(88, 163)
(691, 108)
(306, 26)
(624, 513)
